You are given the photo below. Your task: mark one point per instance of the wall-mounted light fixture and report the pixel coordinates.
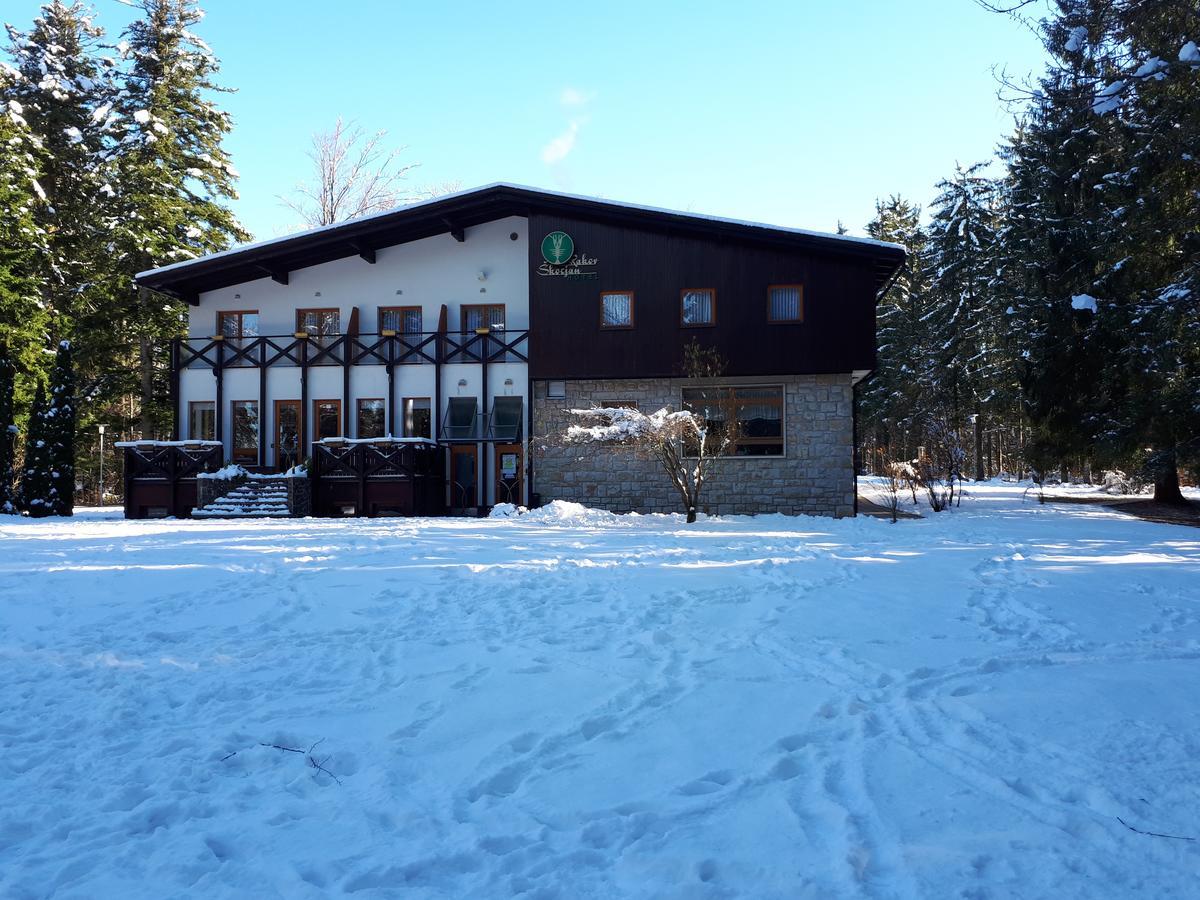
(482, 275)
(237, 296)
(316, 293)
(508, 383)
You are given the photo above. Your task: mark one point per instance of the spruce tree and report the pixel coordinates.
(966, 367)
(175, 175)
(8, 433)
(60, 432)
(891, 398)
(37, 483)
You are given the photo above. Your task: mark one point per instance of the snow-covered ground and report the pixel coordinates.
(573, 704)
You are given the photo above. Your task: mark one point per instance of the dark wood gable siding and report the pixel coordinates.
(837, 334)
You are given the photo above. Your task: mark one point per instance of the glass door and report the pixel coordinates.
(287, 434)
(464, 477)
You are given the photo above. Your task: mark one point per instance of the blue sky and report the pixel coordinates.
(794, 113)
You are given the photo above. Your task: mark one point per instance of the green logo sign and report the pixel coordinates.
(557, 248)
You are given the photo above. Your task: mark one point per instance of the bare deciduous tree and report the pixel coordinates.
(355, 175)
(680, 441)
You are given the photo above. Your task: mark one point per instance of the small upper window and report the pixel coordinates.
(786, 303)
(616, 309)
(319, 322)
(240, 323)
(404, 320)
(698, 306)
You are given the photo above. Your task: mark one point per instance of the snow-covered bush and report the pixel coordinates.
(680, 441)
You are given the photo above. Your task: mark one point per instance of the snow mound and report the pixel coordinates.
(506, 511)
(564, 512)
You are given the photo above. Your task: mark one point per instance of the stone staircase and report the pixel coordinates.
(256, 498)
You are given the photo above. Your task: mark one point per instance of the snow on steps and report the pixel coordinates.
(259, 497)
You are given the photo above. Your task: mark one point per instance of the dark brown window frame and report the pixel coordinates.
(632, 310)
(711, 291)
(358, 402)
(221, 313)
(404, 416)
(401, 309)
(751, 441)
(250, 452)
(192, 404)
(774, 321)
(462, 314)
(301, 313)
(316, 417)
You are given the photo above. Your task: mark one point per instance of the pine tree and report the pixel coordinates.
(175, 175)
(59, 432)
(1153, 105)
(967, 367)
(37, 486)
(890, 399)
(22, 314)
(1050, 256)
(64, 91)
(8, 433)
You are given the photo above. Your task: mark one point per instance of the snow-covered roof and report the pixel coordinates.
(464, 209)
(413, 207)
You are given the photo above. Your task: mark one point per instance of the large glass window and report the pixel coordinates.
(245, 431)
(319, 322)
(239, 323)
(202, 420)
(418, 417)
(482, 315)
(370, 418)
(786, 303)
(404, 320)
(751, 417)
(327, 419)
(698, 306)
(616, 309)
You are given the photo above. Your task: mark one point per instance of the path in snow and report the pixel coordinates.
(580, 705)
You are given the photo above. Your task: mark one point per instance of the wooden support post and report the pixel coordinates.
(302, 429)
(391, 387)
(262, 402)
(175, 389)
(219, 373)
(481, 454)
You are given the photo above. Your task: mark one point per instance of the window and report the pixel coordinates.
(482, 315)
(370, 418)
(786, 303)
(556, 390)
(618, 404)
(405, 320)
(418, 417)
(327, 419)
(616, 309)
(245, 431)
(319, 322)
(202, 421)
(752, 417)
(698, 306)
(239, 323)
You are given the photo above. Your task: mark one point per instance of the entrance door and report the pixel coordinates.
(287, 434)
(509, 474)
(464, 477)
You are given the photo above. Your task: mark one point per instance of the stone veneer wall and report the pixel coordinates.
(815, 476)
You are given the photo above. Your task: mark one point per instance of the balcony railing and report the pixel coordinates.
(495, 346)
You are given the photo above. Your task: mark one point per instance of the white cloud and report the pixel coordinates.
(560, 147)
(572, 97)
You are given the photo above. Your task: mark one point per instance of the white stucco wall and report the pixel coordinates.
(427, 273)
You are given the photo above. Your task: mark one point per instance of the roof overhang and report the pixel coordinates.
(454, 213)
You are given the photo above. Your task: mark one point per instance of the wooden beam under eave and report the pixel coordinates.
(367, 254)
(457, 233)
(276, 276)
